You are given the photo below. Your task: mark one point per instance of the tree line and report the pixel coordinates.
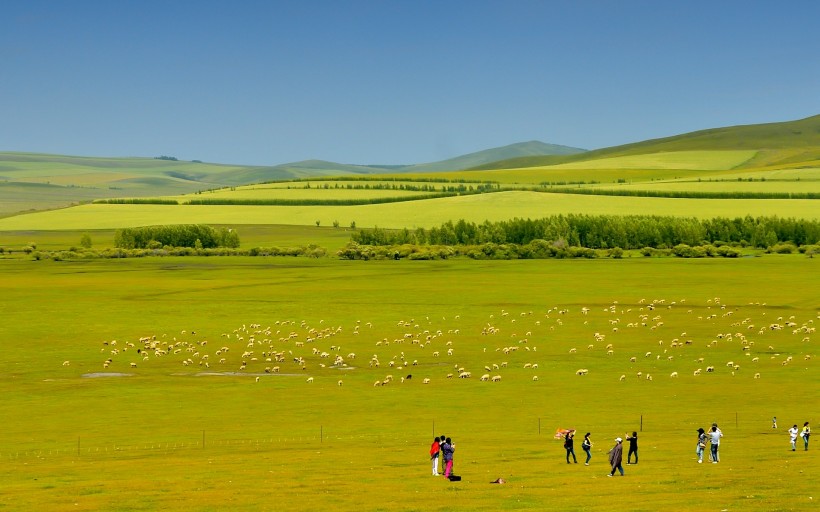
(198, 236)
(606, 231)
(683, 194)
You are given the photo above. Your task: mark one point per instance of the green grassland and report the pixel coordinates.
(690, 160)
(275, 441)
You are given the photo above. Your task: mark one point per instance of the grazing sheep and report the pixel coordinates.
(697, 372)
(496, 378)
(623, 377)
(310, 380)
(710, 369)
(757, 375)
(485, 377)
(582, 371)
(673, 374)
(339, 383)
(633, 359)
(535, 377)
(425, 381)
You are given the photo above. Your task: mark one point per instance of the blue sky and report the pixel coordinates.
(392, 82)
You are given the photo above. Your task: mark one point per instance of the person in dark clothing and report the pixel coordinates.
(447, 449)
(633, 447)
(587, 446)
(568, 444)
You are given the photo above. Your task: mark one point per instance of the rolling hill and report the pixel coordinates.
(32, 181)
(783, 143)
(459, 163)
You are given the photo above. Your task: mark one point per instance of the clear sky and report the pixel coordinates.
(392, 82)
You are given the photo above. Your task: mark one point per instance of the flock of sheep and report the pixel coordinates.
(643, 338)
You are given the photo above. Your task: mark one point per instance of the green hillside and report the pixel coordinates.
(778, 144)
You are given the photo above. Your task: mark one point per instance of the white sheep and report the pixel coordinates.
(310, 380)
(496, 378)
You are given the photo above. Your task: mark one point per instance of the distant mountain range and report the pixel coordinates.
(459, 163)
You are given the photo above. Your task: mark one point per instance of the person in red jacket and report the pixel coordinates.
(435, 448)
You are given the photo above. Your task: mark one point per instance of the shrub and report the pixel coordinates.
(783, 248)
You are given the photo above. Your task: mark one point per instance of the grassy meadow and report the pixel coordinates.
(274, 441)
(294, 384)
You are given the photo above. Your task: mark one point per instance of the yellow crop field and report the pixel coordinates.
(426, 213)
(750, 187)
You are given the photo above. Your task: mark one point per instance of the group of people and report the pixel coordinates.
(615, 454)
(443, 447)
(805, 433)
(713, 437)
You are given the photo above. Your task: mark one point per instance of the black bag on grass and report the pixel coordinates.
(454, 478)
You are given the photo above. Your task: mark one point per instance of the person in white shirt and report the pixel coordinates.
(714, 438)
(793, 435)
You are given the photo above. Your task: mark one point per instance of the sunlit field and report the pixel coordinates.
(277, 383)
(747, 187)
(426, 213)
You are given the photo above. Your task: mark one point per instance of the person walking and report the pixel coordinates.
(435, 449)
(701, 445)
(633, 447)
(616, 457)
(568, 444)
(805, 433)
(448, 449)
(793, 435)
(586, 445)
(714, 438)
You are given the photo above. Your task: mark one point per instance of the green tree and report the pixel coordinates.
(85, 241)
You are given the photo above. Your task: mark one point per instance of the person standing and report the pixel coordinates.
(586, 445)
(616, 457)
(568, 444)
(805, 433)
(793, 435)
(633, 447)
(701, 445)
(774, 421)
(435, 448)
(448, 449)
(714, 438)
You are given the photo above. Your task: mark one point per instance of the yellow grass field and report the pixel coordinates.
(427, 213)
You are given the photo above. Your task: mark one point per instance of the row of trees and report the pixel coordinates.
(196, 236)
(606, 231)
(684, 194)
